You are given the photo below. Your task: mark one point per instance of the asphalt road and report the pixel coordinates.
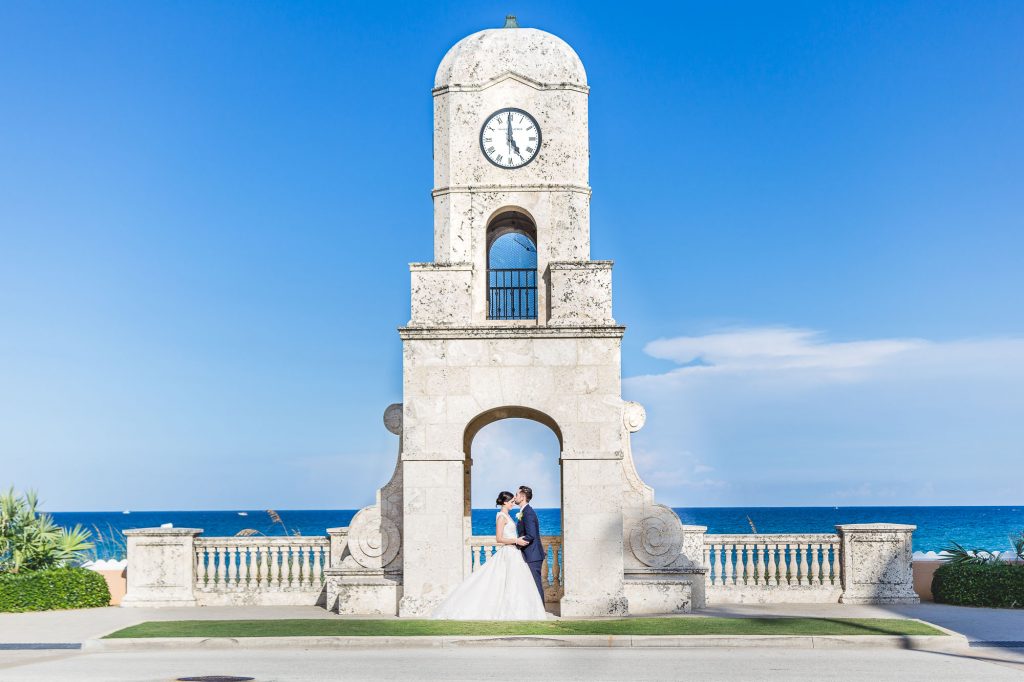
(540, 664)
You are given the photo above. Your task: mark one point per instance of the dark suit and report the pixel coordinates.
(528, 528)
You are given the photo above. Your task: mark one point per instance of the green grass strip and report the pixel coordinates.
(343, 627)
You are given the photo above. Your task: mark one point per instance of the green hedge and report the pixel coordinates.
(999, 584)
(54, 588)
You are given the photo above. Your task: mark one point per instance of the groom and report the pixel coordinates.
(528, 529)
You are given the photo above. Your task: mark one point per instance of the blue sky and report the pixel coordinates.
(816, 212)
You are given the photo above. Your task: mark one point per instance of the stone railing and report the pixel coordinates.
(861, 563)
(175, 567)
(772, 568)
(251, 569)
(481, 547)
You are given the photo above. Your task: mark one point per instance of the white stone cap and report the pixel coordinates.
(337, 531)
(694, 529)
(528, 52)
(869, 527)
(163, 531)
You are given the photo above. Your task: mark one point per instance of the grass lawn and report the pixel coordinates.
(624, 626)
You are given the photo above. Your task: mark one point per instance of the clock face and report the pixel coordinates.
(510, 138)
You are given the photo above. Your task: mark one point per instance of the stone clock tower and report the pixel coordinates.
(514, 319)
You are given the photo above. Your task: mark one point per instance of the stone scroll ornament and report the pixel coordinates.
(657, 538)
(373, 540)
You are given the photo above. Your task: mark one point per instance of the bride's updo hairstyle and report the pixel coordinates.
(503, 497)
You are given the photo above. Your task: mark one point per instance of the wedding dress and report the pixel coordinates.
(501, 589)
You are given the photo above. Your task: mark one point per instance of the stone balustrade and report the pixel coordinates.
(800, 568)
(176, 567)
(861, 563)
(481, 547)
(249, 569)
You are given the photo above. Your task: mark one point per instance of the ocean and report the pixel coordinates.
(985, 527)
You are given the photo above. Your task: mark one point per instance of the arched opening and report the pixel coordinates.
(506, 448)
(511, 267)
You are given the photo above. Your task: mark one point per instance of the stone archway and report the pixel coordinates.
(479, 547)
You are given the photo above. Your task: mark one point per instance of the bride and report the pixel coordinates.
(503, 588)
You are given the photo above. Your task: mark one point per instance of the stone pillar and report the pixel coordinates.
(592, 538)
(877, 563)
(434, 546)
(161, 567)
(338, 539)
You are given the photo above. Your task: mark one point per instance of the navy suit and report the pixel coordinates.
(528, 528)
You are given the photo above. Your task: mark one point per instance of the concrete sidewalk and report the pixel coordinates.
(979, 625)
(76, 626)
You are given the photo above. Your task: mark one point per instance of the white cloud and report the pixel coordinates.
(786, 416)
(775, 348)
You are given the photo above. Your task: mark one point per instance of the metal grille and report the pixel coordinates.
(512, 294)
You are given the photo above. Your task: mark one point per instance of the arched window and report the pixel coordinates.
(512, 267)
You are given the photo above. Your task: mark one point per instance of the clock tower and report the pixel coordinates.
(513, 319)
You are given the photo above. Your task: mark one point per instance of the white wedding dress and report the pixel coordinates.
(501, 589)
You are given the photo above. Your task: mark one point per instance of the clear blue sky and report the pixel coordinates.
(816, 212)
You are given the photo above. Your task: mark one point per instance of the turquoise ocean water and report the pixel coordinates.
(987, 527)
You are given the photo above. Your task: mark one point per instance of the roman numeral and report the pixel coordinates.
(529, 150)
(533, 139)
(490, 150)
(499, 157)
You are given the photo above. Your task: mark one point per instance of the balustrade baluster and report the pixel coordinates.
(256, 565)
(221, 568)
(302, 576)
(815, 566)
(791, 564)
(317, 566)
(730, 574)
(261, 566)
(717, 561)
(275, 567)
(804, 573)
(761, 550)
(200, 569)
(243, 565)
(232, 566)
(772, 567)
(826, 565)
(295, 568)
(557, 568)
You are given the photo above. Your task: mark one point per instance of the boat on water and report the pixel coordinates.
(243, 513)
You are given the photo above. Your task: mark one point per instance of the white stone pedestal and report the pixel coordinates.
(877, 563)
(161, 567)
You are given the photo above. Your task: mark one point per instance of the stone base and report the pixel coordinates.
(360, 594)
(649, 596)
(412, 607)
(882, 598)
(575, 607)
(129, 603)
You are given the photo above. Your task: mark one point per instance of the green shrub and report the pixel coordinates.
(53, 588)
(980, 584)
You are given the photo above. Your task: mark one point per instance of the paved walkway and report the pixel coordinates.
(547, 665)
(977, 624)
(73, 627)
